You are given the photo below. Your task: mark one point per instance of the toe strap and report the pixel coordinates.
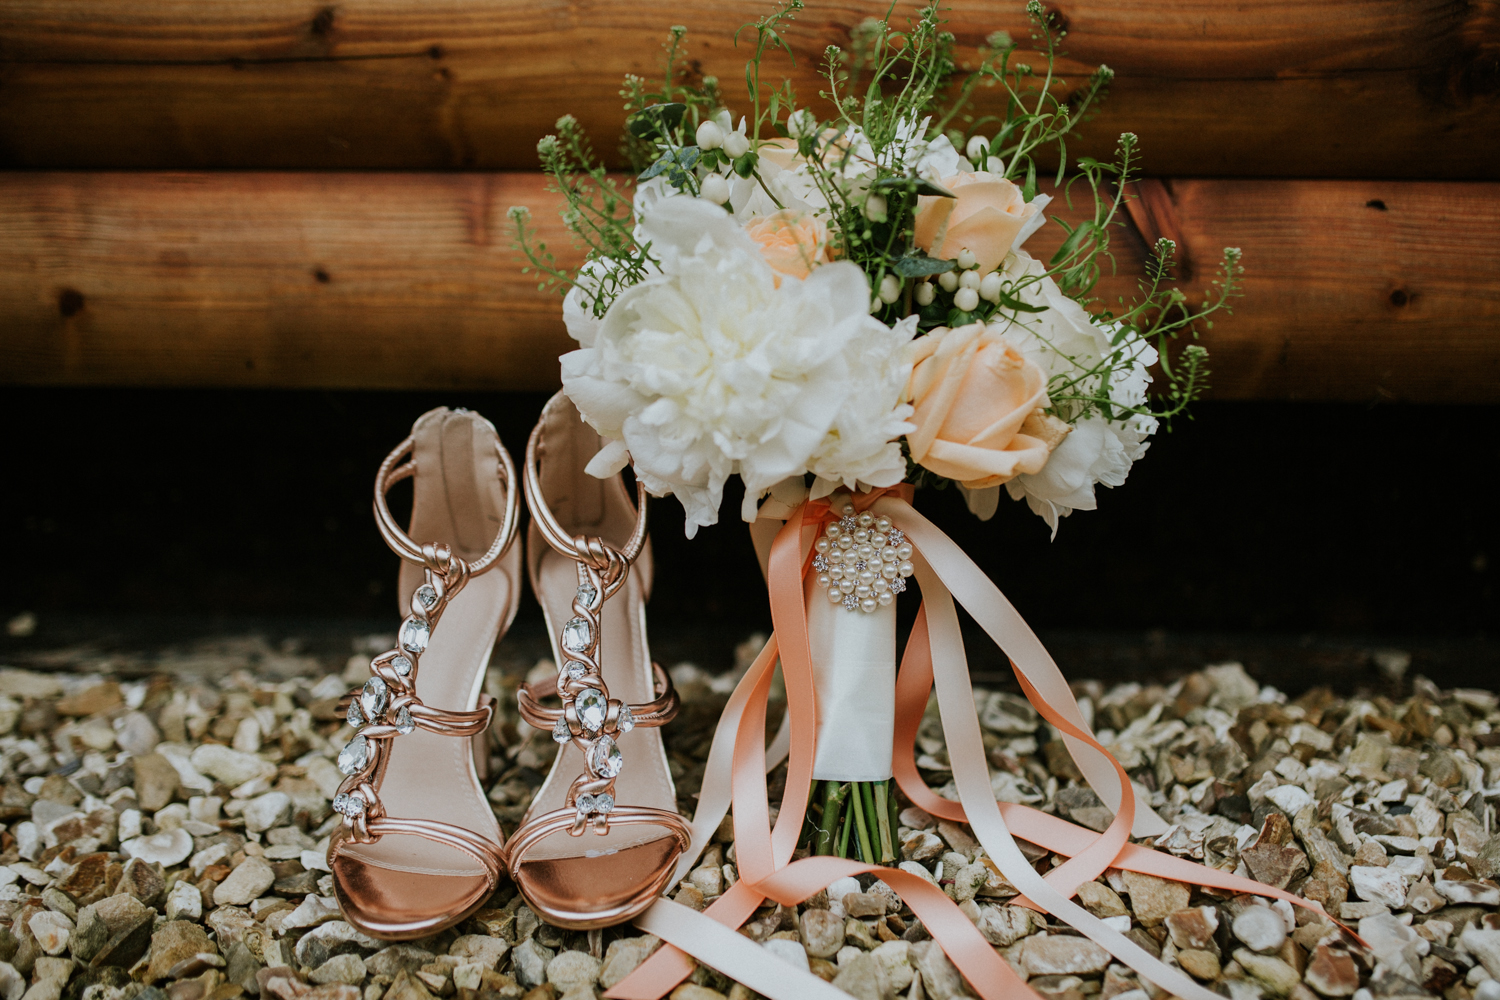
(487, 853)
(574, 821)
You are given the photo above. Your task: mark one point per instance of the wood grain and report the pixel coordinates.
(1356, 290)
(1371, 88)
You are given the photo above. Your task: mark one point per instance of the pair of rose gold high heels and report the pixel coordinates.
(419, 848)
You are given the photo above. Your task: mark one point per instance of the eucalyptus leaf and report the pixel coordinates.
(919, 265)
(677, 161)
(657, 121)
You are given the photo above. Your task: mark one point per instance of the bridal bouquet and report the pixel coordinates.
(829, 296)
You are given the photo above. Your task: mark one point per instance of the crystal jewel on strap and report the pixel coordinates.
(605, 759)
(348, 805)
(354, 716)
(427, 594)
(626, 720)
(404, 722)
(354, 756)
(402, 665)
(373, 698)
(586, 594)
(592, 707)
(415, 634)
(560, 731)
(577, 635)
(603, 804)
(576, 670)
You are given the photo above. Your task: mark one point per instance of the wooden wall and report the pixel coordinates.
(287, 193)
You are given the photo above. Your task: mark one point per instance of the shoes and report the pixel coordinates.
(419, 848)
(585, 539)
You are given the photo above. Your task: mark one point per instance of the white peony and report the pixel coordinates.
(1063, 341)
(710, 369)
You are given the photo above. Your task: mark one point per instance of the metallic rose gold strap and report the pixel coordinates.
(594, 552)
(390, 474)
(489, 855)
(534, 830)
(653, 713)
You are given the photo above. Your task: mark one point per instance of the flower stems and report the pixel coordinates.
(858, 815)
(833, 800)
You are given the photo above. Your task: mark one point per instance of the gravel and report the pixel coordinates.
(166, 837)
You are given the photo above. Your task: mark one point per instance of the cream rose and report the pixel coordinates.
(977, 403)
(986, 217)
(792, 242)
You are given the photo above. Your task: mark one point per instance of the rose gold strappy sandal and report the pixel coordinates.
(419, 848)
(584, 538)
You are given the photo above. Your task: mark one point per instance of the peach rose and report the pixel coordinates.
(978, 403)
(792, 242)
(985, 218)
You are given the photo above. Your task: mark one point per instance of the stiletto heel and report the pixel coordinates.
(584, 540)
(419, 848)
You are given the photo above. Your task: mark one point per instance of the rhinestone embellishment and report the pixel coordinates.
(427, 595)
(374, 698)
(354, 756)
(402, 665)
(354, 717)
(862, 561)
(605, 759)
(348, 805)
(560, 731)
(586, 594)
(415, 634)
(592, 708)
(577, 635)
(626, 721)
(404, 722)
(576, 670)
(603, 804)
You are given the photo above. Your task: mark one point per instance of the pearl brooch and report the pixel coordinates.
(862, 561)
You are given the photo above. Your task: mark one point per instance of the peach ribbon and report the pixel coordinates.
(934, 653)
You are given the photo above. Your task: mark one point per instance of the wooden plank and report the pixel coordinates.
(1378, 88)
(1357, 290)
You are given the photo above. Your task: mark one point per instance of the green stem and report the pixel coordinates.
(833, 797)
(843, 851)
(857, 806)
(883, 812)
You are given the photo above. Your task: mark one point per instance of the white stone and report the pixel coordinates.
(229, 766)
(790, 952)
(266, 811)
(1485, 946)
(28, 839)
(184, 902)
(571, 967)
(249, 880)
(1379, 885)
(344, 968)
(12, 983)
(1260, 928)
(51, 930)
(311, 912)
(130, 824)
(1290, 799)
(468, 975)
(168, 848)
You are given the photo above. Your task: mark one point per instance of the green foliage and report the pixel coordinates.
(894, 90)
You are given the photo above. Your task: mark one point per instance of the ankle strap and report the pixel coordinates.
(438, 558)
(611, 564)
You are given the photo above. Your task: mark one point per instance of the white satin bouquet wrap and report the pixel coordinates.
(854, 673)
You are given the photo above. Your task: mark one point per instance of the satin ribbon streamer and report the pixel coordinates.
(738, 762)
